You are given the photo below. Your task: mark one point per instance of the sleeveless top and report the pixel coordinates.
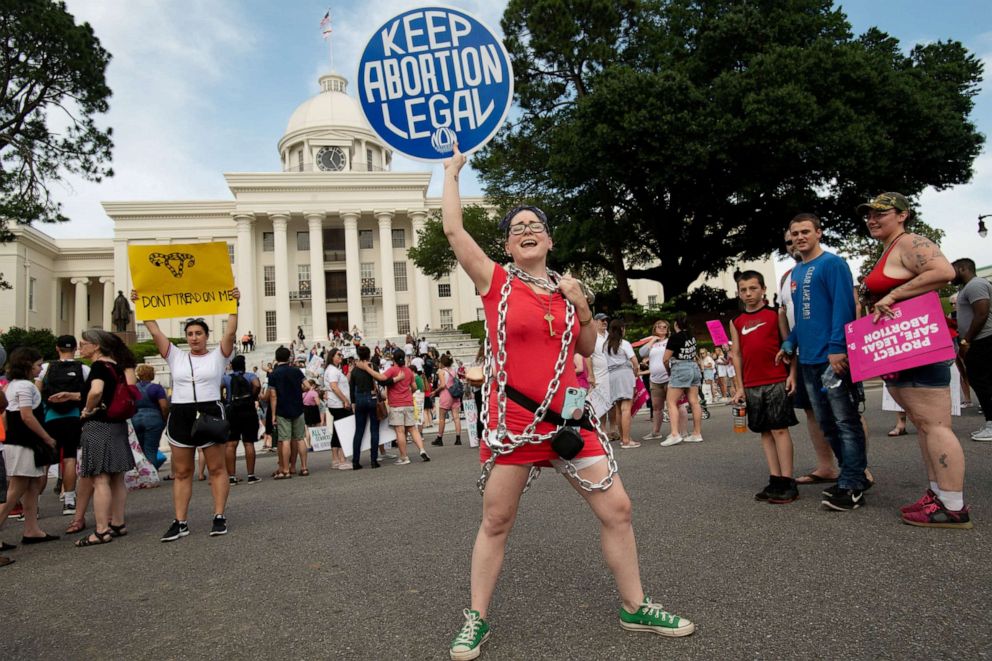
(876, 284)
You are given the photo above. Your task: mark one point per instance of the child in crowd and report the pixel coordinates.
(766, 386)
(721, 374)
(708, 365)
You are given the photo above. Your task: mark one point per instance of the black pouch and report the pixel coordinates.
(567, 442)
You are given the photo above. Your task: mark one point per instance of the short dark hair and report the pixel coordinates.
(681, 319)
(966, 262)
(197, 322)
(399, 357)
(21, 363)
(282, 355)
(752, 275)
(504, 224)
(446, 361)
(806, 217)
(238, 363)
(364, 353)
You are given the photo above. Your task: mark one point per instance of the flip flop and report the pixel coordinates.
(281, 476)
(813, 478)
(305, 472)
(4, 561)
(900, 432)
(38, 540)
(4, 546)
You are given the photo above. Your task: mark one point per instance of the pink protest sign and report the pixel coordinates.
(918, 335)
(717, 333)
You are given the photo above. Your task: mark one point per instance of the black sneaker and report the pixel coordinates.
(424, 455)
(219, 527)
(232, 480)
(374, 464)
(176, 530)
(458, 440)
(846, 499)
(437, 442)
(831, 491)
(252, 479)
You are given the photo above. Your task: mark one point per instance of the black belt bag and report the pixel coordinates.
(567, 441)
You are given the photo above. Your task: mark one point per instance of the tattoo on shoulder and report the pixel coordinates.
(922, 253)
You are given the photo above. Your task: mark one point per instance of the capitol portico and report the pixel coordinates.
(321, 244)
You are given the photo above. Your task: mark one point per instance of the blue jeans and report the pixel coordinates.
(837, 413)
(365, 412)
(148, 427)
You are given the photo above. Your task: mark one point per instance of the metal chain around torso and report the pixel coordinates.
(501, 441)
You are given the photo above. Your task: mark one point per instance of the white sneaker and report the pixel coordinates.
(983, 434)
(671, 440)
(651, 436)
(632, 444)
(693, 438)
(402, 461)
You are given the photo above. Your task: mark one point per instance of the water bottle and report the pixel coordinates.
(740, 418)
(830, 379)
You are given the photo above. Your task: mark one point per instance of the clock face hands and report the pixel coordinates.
(330, 159)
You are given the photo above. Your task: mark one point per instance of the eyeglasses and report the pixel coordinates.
(520, 228)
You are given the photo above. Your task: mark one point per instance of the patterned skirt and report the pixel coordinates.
(105, 448)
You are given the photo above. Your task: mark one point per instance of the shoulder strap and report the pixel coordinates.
(192, 379)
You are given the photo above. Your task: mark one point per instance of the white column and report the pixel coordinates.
(353, 272)
(108, 303)
(245, 267)
(284, 333)
(318, 297)
(422, 283)
(385, 219)
(79, 320)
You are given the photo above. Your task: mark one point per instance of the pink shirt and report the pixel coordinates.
(310, 398)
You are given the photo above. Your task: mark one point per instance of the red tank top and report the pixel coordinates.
(760, 341)
(877, 283)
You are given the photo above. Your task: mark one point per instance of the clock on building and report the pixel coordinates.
(330, 159)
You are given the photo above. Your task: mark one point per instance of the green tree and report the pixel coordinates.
(41, 339)
(433, 254)
(670, 138)
(54, 86)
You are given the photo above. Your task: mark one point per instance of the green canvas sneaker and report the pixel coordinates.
(468, 643)
(651, 617)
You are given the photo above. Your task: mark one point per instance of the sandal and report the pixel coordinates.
(813, 478)
(76, 526)
(118, 531)
(895, 431)
(305, 472)
(281, 476)
(4, 546)
(104, 537)
(169, 478)
(4, 561)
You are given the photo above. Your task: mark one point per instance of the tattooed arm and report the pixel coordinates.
(931, 271)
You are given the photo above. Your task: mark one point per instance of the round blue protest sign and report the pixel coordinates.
(431, 76)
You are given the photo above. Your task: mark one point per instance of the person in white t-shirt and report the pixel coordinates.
(621, 362)
(599, 377)
(654, 350)
(336, 392)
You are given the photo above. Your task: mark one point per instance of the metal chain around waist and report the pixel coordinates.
(495, 361)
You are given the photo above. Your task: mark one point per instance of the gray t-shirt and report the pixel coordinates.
(977, 289)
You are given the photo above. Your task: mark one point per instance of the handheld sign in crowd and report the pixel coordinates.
(345, 427)
(917, 335)
(320, 438)
(431, 76)
(182, 280)
(717, 332)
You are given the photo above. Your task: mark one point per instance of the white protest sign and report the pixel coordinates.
(345, 428)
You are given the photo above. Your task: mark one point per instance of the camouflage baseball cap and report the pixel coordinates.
(884, 202)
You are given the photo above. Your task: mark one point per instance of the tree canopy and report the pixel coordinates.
(54, 86)
(434, 256)
(669, 138)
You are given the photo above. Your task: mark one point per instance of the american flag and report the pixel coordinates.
(325, 23)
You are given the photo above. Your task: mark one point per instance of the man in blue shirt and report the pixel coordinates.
(824, 303)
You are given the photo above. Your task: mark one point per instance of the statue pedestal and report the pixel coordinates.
(128, 337)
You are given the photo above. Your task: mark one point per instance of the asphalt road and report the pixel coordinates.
(375, 565)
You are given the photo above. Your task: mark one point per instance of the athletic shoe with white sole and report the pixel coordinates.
(652, 618)
(176, 530)
(693, 438)
(467, 644)
(670, 441)
(219, 527)
(402, 461)
(845, 500)
(651, 436)
(983, 434)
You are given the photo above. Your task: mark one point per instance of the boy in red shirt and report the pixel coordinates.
(767, 386)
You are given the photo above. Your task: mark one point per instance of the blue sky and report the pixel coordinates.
(203, 88)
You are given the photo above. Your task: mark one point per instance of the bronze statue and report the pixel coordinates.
(121, 315)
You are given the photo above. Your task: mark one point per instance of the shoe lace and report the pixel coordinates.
(654, 610)
(473, 621)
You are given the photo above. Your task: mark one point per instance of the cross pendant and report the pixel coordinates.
(549, 318)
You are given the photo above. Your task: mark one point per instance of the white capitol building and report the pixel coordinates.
(321, 244)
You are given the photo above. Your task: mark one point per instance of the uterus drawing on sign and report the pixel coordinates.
(443, 140)
(176, 262)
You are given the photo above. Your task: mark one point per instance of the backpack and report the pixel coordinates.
(456, 389)
(62, 376)
(240, 392)
(124, 405)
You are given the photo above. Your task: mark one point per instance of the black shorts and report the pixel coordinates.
(179, 426)
(66, 432)
(244, 426)
(769, 407)
(311, 415)
(428, 402)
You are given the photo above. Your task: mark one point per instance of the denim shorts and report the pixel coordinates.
(934, 375)
(685, 374)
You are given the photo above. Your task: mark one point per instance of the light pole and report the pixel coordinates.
(982, 230)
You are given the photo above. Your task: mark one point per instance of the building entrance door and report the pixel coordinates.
(337, 321)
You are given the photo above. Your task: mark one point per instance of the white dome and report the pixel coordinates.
(332, 108)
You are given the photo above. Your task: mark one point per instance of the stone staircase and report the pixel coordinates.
(461, 345)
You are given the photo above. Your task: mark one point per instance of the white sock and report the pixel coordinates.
(70, 497)
(953, 500)
(934, 487)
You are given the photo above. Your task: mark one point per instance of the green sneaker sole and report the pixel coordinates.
(468, 655)
(684, 629)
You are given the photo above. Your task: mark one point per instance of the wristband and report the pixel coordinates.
(787, 347)
(585, 323)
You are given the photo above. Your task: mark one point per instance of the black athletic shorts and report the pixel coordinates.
(769, 407)
(66, 432)
(244, 426)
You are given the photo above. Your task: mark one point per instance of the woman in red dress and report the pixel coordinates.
(536, 321)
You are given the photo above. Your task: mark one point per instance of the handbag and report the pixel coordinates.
(381, 408)
(207, 428)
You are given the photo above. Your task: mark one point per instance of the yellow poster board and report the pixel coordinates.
(181, 280)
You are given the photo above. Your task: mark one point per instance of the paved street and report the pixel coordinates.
(375, 565)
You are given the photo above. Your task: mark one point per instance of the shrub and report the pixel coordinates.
(477, 329)
(41, 339)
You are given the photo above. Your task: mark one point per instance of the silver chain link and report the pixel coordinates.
(495, 362)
